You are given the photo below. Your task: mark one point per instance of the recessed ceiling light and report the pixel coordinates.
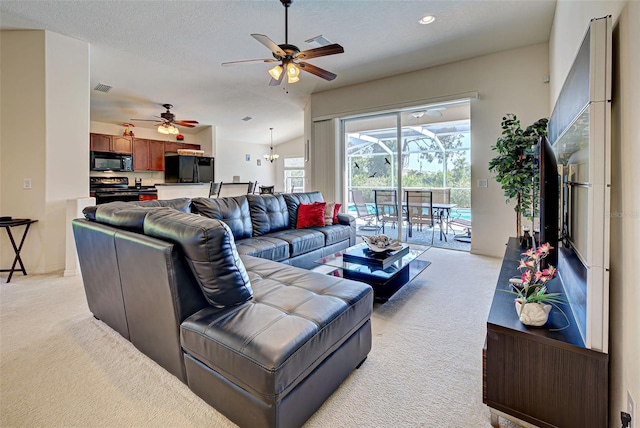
(427, 19)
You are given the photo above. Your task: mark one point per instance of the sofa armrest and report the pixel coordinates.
(349, 220)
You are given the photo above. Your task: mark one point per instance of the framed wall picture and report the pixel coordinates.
(247, 157)
(258, 162)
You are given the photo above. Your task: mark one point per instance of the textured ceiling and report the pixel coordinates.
(156, 52)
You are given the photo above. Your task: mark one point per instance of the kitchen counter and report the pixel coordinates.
(182, 190)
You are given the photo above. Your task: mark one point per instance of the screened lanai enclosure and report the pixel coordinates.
(401, 153)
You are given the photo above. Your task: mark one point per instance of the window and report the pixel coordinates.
(294, 174)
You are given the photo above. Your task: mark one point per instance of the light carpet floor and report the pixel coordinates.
(60, 367)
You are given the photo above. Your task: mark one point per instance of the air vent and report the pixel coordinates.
(101, 87)
(318, 41)
(247, 118)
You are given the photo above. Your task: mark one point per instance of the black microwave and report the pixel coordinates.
(105, 161)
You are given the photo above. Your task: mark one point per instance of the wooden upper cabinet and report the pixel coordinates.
(171, 147)
(121, 144)
(110, 143)
(99, 143)
(148, 155)
(140, 154)
(191, 146)
(156, 155)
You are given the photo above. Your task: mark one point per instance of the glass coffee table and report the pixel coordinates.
(384, 278)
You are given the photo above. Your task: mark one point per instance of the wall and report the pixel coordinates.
(290, 149)
(230, 161)
(45, 85)
(506, 82)
(570, 23)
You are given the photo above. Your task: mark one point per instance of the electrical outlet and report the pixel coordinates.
(631, 408)
(26, 183)
(483, 182)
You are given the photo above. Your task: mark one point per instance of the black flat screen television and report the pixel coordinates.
(549, 198)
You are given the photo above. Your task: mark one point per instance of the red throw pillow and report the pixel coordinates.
(311, 215)
(336, 210)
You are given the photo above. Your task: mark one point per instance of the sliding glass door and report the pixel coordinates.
(426, 149)
(371, 153)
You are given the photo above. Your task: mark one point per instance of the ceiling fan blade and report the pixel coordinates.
(321, 51)
(327, 75)
(188, 121)
(270, 44)
(249, 61)
(145, 120)
(186, 125)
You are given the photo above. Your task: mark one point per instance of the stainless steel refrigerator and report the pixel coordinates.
(187, 169)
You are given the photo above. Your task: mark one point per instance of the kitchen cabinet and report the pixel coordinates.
(121, 144)
(99, 143)
(148, 155)
(171, 147)
(156, 155)
(110, 143)
(140, 154)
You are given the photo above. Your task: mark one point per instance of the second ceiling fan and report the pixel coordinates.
(289, 56)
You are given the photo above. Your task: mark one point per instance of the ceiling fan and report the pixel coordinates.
(167, 120)
(289, 56)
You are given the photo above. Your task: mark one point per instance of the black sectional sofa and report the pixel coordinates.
(262, 342)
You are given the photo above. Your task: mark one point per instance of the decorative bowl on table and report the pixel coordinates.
(381, 243)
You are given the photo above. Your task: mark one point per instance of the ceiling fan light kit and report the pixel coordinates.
(168, 129)
(289, 56)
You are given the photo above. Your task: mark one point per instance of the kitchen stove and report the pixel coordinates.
(110, 189)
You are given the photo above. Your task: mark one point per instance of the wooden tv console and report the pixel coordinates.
(540, 376)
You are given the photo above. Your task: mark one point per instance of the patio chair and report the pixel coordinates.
(442, 195)
(457, 220)
(214, 189)
(386, 207)
(363, 211)
(419, 208)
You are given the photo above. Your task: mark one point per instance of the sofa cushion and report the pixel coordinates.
(294, 200)
(268, 213)
(295, 320)
(210, 250)
(334, 234)
(310, 215)
(125, 215)
(180, 204)
(233, 211)
(300, 241)
(264, 247)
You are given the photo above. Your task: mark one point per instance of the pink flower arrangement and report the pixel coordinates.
(532, 274)
(534, 280)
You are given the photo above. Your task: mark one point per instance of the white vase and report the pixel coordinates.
(534, 314)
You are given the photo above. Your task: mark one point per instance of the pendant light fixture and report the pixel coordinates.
(271, 156)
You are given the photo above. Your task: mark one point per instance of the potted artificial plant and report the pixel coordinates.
(515, 165)
(533, 302)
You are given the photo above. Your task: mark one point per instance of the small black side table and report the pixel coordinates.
(8, 224)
